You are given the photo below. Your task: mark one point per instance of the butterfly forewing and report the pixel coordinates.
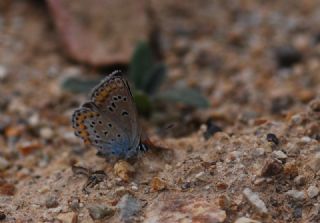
(112, 125)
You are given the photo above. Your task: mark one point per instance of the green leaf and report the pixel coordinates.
(143, 103)
(155, 78)
(141, 63)
(186, 96)
(78, 85)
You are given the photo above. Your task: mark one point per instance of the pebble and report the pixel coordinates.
(75, 204)
(258, 152)
(313, 191)
(255, 200)
(287, 56)
(296, 119)
(51, 202)
(278, 154)
(69, 217)
(123, 170)
(246, 220)
(158, 184)
(2, 216)
(34, 120)
(314, 163)
(3, 72)
(300, 180)
(306, 139)
(128, 206)
(272, 167)
(44, 189)
(46, 133)
(272, 138)
(291, 169)
(100, 211)
(295, 194)
(134, 186)
(4, 164)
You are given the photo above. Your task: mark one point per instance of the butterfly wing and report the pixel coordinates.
(110, 120)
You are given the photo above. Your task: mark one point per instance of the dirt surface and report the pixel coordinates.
(258, 65)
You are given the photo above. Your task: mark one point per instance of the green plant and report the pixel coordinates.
(147, 75)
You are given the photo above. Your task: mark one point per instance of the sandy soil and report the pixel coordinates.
(258, 65)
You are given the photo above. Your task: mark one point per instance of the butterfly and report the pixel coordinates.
(109, 121)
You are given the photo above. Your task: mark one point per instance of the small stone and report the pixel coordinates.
(224, 202)
(295, 194)
(272, 167)
(211, 129)
(278, 154)
(255, 200)
(51, 202)
(306, 139)
(46, 133)
(69, 217)
(291, 169)
(7, 189)
(296, 119)
(28, 147)
(272, 138)
(100, 211)
(287, 56)
(281, 103)
(315, 105)
(75, 204)
(134, 187)
(123, 170)
(300, 180)
(312, 191)
(3, 72)
(314, 163)
(34, 120)
(258, 152)
(2, 216)
(44, 189)
(246, 220)
(129, 207)
(158, 184)
(4, 164)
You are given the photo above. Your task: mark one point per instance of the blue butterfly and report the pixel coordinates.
(109, 121)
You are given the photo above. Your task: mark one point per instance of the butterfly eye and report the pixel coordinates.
(110, 108)
(110, 125)
(113, 104)
(118, 135)
(124, 98)
(119, 97)
(100, 122)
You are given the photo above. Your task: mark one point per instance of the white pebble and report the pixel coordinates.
(3, 72)
(295, 194)
(4, 164)
(255, 200)
(313, 191)
(279, 155)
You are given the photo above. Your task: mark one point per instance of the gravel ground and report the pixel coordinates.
(252, 156)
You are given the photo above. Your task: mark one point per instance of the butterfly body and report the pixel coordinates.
(109, 121)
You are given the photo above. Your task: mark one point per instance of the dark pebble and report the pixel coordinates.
(212, 128)
(287, 56)
(280, 104)
(272, 138)
(2, 216)
(51, 202)
(271, 168)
